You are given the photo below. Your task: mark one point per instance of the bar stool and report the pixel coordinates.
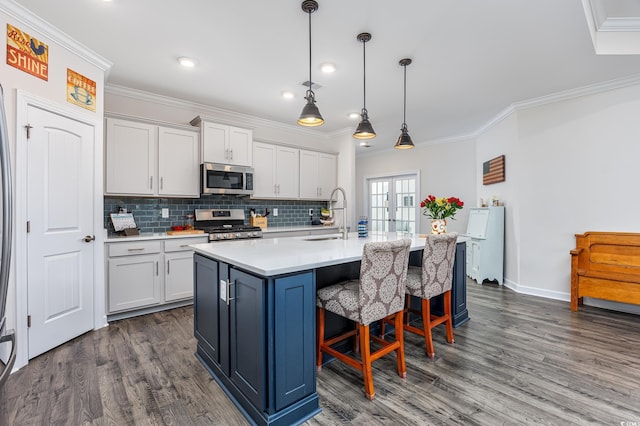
(379, 293)
(433, 278)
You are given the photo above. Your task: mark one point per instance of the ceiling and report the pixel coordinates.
(471, 59)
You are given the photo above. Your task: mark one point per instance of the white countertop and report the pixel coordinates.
(275, 256)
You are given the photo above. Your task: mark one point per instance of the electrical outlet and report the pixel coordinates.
(165, 213)
(310, 212)
(275, 212)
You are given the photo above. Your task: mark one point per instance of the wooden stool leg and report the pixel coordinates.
(407, 308)
(319, 337)
(426, 323)
(365, 353)
(399, 332)
(447, 313)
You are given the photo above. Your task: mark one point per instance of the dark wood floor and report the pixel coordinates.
(520, 360)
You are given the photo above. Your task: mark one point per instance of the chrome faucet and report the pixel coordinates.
(344, 230)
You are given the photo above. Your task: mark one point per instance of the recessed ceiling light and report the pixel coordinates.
(287, 95)
(328, 68)
(187, 62)
(354, 115)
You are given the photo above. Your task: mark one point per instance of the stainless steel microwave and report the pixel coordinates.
(226, 179)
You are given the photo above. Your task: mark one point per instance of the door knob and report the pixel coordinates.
(89, 238)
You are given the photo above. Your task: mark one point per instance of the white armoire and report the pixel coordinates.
(485, 248)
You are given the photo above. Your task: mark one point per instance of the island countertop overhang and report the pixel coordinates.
(278, 256)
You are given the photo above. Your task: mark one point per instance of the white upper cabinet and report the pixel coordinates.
(225, 144)
(178, 162)
(276, 170)
(318, 175)
(130, 157)
(148, 160)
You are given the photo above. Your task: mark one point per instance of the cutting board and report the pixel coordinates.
(186, 232)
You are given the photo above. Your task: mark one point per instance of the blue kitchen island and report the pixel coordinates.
(254, 316)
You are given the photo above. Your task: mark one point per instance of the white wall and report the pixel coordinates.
(571, 167)
(446, 169)
(63, 53)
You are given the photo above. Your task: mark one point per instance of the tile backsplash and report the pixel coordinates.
(147, 212)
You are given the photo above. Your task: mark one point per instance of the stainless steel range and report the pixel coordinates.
(223, 224)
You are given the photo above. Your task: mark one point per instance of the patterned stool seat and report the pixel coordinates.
(379, 293)
(433, 278)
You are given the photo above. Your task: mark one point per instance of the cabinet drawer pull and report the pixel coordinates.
(168, 267)
(184, 245)
(225, 291)
(151, 182)
(136, 249)
(157, 268)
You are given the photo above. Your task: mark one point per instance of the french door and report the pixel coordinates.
(392, 204)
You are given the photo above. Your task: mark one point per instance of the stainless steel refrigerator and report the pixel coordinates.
(6, 336)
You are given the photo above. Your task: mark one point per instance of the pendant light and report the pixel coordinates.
(310, 115)
(364, 129)
(404, 140)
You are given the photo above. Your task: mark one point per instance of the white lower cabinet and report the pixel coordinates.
(149, 274)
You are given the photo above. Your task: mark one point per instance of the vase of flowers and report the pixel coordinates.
(439, 209)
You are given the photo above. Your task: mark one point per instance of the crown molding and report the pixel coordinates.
(558, 97)
(220, 115)
(614, 27)
(28, 18)
(240, 119)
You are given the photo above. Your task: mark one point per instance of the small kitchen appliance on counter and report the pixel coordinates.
(225, 224)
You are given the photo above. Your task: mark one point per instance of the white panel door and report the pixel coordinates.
(60, 285)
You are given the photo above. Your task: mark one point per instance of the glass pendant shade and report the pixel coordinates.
(404, 140)
(310, 115)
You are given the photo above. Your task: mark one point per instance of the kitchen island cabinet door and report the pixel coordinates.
(206, 313)
(294, 338)
(247, 336)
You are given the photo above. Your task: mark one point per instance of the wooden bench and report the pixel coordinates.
(605, 265)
